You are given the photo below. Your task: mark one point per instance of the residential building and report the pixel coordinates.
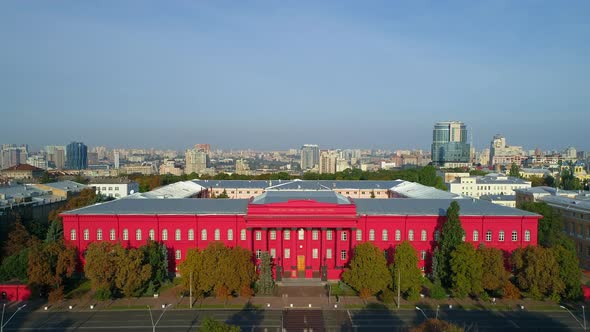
(310, 156)
(196, 161)
(491, 184)
(449, 144)
(328, 162)
(77, 156)
(116, 156)
(38, 160)
(504, 200)
(528, 173)
(170, 167)
(22, 171)
(139, 169)
(503, 154)
(56, 156)
(242, 167)
(116, 188)
(12, 155)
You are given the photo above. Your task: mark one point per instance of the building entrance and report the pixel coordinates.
(300, 266)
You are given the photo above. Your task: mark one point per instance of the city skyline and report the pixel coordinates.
(239, 75)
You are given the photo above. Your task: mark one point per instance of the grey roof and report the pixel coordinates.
(165, 206)
(433, 207)
(569, 203)
(537, 190)
(360, 184)
(535, 170)
(299, 185)
(323, 196)
(236, 183)
(494, 178)
(415, 190)
(183, 189)
(66, 185)
(505, 198)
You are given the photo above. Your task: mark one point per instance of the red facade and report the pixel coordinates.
(14, 292)
(301, 235)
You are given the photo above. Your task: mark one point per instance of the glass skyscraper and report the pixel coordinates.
(449, 143)
(77, 156)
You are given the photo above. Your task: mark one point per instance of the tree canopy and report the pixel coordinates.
(451, 237)
(537, 272)
(405, 271)
(368, 273)
(466, 271)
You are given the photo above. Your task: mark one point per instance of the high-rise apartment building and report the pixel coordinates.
(12, 155)
(328, 162)
(310, 156)
(196, 161)
(449, 144)
(116, 157)
(503, 154)
(77, 156)
(203, 147)
(56, 156)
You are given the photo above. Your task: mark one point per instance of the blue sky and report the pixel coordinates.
(278, 74)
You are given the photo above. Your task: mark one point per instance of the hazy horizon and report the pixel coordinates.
(273, 76)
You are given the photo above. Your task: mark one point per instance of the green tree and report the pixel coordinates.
(568, 181)
(405, 271)
(436, 325)
(368, 273)
(466, 271)
(133, 275)
(15, 267)
(223, 194)
(451, 236)
(155, 255)
(101, 267)
(265, 284)
(550, 227)
(569, 271)
(18, 239)
(514, 171)
(537, 272)
(211, 325)
(494, 274)
(50, 266)
(550, 181)
(191, 270)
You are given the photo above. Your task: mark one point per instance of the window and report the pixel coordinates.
(359, 235)
(423, 235)
(328, 235)
(178, 254)
(113, 235)
(177, 235)
(436, 235)
(230, 234)
(125, 234)
(258, 235)
(258, 253)
(343, 236)
(204, 235)
(514, 236)
(475, 236)
(371, 235)
(314, 234)
(287, 234)
(217, 234)
(423, 255)
(329, 253)
(99, 234)
(273, 253)
(501, 236)
(138, 234)
(273, 235)
(164, 235)
(343, 255)
(527, 236)
(301, 234)
(243, 235)
(287, 253)
(152, 234)
(411, 235)
(314, 253)
(86, 235)
(398, 235)
(384, 235)
(489, 236)
(191, 234)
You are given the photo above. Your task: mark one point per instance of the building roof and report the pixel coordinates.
(236, 183)
(537, 190)
(183, 189)
(321, 196)
(415, 190)
(66, 185)
(433, 207)
(105, 180)
(299, 185)
(173, 206)
(535, 170)
(568, 203)
(24, 167)
(502, 198)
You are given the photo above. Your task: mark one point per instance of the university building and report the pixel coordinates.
(309, 230)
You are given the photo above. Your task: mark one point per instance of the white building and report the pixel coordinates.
(491, 184)
(115, 189)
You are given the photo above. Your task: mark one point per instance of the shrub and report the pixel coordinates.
(365, 293)
(387, 296)
(103, 294)
(509, 291)
(437, 292)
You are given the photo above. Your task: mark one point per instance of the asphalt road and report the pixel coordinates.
(271, 320)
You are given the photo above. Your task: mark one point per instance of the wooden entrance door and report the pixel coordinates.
(301, 266)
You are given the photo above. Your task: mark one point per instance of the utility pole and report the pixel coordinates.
(399, 282)
(2, 324)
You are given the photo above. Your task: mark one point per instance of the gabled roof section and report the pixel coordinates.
(258, 184)
(183, 189)
(320, 196)
(415, 190)
(179, 206)
(24, 167)
(299, 185)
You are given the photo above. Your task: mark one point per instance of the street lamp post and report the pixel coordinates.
(2, 324)
(152, 318)
(577, 320)
(423, 313)
(437, 307)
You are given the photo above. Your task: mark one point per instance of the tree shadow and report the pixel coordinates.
(247, 318)
(372, 317)
(33, 316)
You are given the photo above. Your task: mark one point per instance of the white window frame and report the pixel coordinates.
(398, 235)
(164, 234)
(411, 235)
(113, 234)
(329, 235)
(343, 236)
(177, 235)
(273, 234)
(527, 236)
(152, 234)
(287, 234)
(258, 235)
(203, 234)
(475, 236)
(138, 234)
(217, 234)
(488, 236)
(314, 234)
(423, 235)
(301, 234)
(191, 234)
(328, 253)
(230, 234)
(273, 253)
(243, 235)
(501, 235)
(287, 253)
(371, 235)
(258, 253)
(314, 253)
(125, 234)
(359, 235)
(178, 254)
(423, 255)
(343, 255)
(384, 235)
(514, 236)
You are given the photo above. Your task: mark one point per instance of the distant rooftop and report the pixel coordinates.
(183, 189)
(502, 198)
(24, 167)
(174, 206)
(415, 190)
(66, 185)
(569, 203)
(322, 196)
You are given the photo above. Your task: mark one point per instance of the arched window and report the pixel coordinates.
(475, 236)
(527, 235)
(287, 234)
(436, 235)
(230, 234)
(423, 255)
(177, 235)
(411, 235)
(138, 235)
(125, 234)
(164, 235)
(359, 235)
(301, 234)
(113, 234)
(514, 236)
(384, 235)
(99, 234)
(243, 235)
(86, 234)
(204, 235)
(152, 235)
(73, 235)
(371, 235)
(489, 236)
(423, 235)
(191, 234)
(217, 234)
(398, 235)
(178, 254)
(501, 236)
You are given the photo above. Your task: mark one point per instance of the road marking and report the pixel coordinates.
(349, 317)
(513, 323)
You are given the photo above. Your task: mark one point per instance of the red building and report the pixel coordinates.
(14, 292)
(302, 230)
